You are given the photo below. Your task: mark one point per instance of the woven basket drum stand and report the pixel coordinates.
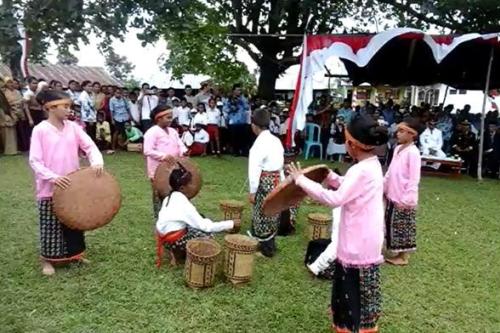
(239, 253)
(201, 262)
(319, 226)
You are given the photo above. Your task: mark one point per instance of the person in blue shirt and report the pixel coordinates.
(389, 113)
(120, 114)
(237, 109)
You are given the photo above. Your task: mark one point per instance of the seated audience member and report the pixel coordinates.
(200, 141)
(133, 134)
(464, 144)
(103, 133)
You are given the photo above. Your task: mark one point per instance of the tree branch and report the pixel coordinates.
(246, 46)
(407, 8)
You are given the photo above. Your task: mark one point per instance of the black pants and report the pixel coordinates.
(239, 139)
(91, 130)
(268, 248)
(146, 124)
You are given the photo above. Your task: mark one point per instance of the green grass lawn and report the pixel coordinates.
(452, 284)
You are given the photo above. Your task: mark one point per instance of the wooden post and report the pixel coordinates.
(483, 116)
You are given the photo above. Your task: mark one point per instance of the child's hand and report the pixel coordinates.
(99, 168)
(236, 226)
(294, 170)
(62, 182)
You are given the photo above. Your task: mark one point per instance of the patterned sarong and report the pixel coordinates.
(401, 232)
(356, 298)
(58, 242)
(263, 226)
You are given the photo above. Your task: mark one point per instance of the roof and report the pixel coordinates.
(65, 73)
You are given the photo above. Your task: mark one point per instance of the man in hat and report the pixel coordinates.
(464, 144)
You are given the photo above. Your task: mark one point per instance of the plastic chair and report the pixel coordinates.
(313, 139)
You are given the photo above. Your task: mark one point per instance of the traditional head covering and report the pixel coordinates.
(412, 125)
(364, 132)
(49, 98)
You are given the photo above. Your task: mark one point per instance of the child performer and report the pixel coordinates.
(179, 221)
(265, 170)
(401, 191)
(200, 141)
(160, 142)
(53, 155)
(356, 282)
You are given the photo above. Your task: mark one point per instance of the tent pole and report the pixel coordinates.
(483, 115)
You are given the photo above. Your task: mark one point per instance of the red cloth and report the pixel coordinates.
(197, 149)
(213, 132)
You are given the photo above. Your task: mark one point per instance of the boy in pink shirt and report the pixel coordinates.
(356, 292)
(161, 141)
(55, 143)
(401, 191)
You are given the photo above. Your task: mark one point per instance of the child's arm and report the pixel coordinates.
(348, 190)
(36, 158)
(195, 220)
(333, 179)
(149, 147)
(89, 147)
(410, 195)
(182, 146)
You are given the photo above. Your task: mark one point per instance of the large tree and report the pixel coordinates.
(118, 65)
(198, 32)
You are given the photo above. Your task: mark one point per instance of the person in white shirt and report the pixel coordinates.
(187, 137)
(88, 112)
(134, 108)
(147, 101)
(200, 117)
(183, 114)
(214, 120)
(265, 171)
(204, 94)
(179, 221)
(200, 141)
(431, 143)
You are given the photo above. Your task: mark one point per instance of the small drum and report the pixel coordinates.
(136, 147)
(319, 226)
(238, 258)
(161, 180)
(89, 202)
(231, 209)
(287, 194)
(201, 262)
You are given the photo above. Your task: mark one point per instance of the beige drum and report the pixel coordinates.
(232, 209)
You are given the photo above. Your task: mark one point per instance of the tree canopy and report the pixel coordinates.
(203, 35)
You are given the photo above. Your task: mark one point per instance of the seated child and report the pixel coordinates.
(179, 221)
(134, 135)
(103, 133)
(200, 141)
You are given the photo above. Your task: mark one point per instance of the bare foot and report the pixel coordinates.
(84, 261)
(398, 261)
(47, 268)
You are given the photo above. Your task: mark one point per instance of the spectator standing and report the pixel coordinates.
(214, 120)
(170, 97)
(389, 113)
(204, 95)
(31, 105)
(147, 101)
(88, 110)
(190, 98)
(73, 90)
(346, 111)
(120, 114)
(134, 108)
(21, 118)
(445, 125)
(97, 96)
(237, 109)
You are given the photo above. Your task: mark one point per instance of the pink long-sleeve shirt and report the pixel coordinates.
(158, 143)
(360, 194)
(54, 153)
(403, 176)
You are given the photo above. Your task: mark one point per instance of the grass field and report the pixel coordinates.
(452, 284)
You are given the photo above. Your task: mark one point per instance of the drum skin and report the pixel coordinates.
(161, 180)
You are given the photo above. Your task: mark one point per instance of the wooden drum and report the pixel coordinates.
(136, 147)
(231, 209)
(239, 253)
(201, 262)
(319, 226)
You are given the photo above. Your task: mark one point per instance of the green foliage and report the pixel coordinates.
(65, 57)
(450, 285)
(118, 65)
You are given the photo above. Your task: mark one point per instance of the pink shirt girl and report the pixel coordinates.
(360, 194)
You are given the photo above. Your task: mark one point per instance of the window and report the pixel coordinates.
(462, 91)
(453, 91)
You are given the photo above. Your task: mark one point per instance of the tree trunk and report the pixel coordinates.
(269, 73)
